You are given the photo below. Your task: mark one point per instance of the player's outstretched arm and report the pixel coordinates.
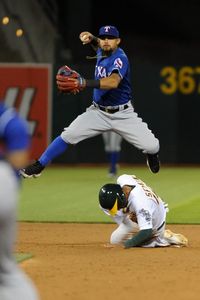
(141, 237)
(88, 38)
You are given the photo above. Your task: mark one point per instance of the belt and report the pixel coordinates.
(111, 110)
(163, 223)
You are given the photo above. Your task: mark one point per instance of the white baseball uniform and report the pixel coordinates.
(150, 211)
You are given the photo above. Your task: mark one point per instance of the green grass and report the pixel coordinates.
(22, 256)
(70, 194)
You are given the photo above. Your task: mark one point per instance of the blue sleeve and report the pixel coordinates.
(120, 65)
(16, 135)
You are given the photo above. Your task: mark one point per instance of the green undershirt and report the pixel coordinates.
(141, 237)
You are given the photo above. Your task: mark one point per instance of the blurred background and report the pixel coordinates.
(162, 41)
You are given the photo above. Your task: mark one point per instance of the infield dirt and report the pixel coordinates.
(70, 262)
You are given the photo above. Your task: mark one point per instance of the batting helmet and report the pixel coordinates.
(112, 197)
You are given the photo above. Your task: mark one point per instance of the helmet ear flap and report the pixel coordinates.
(122, 201)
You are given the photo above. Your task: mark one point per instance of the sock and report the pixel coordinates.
(57, 147)
(114, 158)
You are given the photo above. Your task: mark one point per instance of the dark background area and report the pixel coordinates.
(155, 35)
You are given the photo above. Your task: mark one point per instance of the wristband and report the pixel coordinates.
(94, 41)
(93, 83)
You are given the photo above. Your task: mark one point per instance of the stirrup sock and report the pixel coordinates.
(114, 158)
(57, 147)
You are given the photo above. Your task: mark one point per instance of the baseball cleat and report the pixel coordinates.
(112, 175)
(33, 170)
(153, 162)
(175, 238)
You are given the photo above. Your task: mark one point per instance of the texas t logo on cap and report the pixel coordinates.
(108, 30)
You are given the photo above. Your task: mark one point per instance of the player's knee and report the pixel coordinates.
(107, 148)
(152, 147)
(115, 238)
(68, 136)
(114, 241)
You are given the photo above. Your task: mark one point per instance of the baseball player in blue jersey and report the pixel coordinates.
(14, 143)
(111, 108)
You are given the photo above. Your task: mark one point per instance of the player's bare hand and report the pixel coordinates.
(85, 37)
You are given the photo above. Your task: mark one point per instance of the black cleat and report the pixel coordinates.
(153, 162)
(33, 170)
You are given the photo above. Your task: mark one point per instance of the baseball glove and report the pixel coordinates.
(69, 81)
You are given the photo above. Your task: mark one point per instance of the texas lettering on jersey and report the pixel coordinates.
(100, 72)
(117, 62)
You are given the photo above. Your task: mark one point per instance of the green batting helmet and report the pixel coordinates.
(112, 197)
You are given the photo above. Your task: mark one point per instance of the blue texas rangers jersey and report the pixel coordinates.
(13, 131)
(117, 62)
